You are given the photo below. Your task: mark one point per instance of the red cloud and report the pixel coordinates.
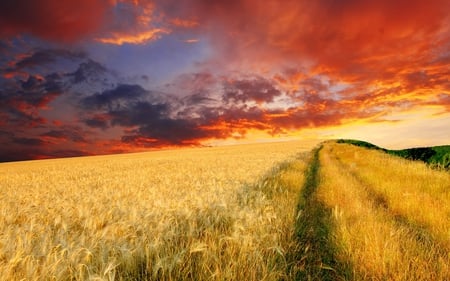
(351, 39)
(52, 19)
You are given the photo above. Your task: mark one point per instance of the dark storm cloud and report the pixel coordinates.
(154, 122)
(67, 133)
(31, 84)
(126, 106)
(256, 89)
(29, 141)
(19, 144)
(74, 68)
(14, 118)
(150, 121)
(26, 153)
(240, 113)
(34, 92)
(99, 121)
(197, 99)
(21, 105)
(89, 71)
(42, 57)
(139, 113)
(65, 153)
(168, 131)
(59, 134)
(123, 93)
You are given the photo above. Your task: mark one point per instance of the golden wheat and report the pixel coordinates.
(180, 214)
(373, 198)
(412, 191)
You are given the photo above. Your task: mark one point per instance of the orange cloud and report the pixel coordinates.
(346, 39)
(184, 23)
(138, 38)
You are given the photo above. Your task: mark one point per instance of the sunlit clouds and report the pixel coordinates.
(94, 77)
(139, 38)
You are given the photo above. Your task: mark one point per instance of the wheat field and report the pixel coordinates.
(391, 216)
(274, 211)
(223, 213)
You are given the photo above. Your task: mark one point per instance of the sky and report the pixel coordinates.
(89, 77)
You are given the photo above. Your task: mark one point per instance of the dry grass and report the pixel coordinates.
(391, 216)
(198, 214)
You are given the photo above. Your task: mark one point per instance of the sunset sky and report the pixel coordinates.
(86, 77)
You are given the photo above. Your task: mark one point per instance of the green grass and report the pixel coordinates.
(436, 156)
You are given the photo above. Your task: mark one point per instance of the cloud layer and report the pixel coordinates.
(277, 67)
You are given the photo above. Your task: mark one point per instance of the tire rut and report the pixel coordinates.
(315, 257)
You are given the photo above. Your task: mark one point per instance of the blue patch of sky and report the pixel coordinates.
(160, 60)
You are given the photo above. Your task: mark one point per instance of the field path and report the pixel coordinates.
(316, 255)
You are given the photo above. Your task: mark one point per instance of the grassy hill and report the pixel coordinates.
(436, 156)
